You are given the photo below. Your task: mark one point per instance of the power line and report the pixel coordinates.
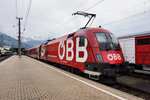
(65, 23)
(77, 6)
(125, 18)
(27, 15)
(134, 27)
(16, 8)
(22, 7)
(127, 10)
(84, 10)
(94, 5)
(69, 13)
(136, 20)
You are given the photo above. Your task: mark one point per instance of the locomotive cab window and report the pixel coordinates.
(107, 41)
(81, 41)
(143, 41)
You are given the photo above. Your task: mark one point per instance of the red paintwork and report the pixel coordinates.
(51, 49)
(115, 60)
(142, 52)
(33, 52)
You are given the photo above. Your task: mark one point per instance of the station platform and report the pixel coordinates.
(29, 79)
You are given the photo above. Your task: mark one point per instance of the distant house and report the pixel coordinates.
(1, 48)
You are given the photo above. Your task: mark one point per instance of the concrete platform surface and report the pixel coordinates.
(28, 79)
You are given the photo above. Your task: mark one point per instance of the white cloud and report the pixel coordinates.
(47, 17)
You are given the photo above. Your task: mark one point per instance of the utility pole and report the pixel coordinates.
(19, 37)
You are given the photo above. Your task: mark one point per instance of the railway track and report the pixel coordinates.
(3, 58)
(135, 84)
(131, 90)
(144, 76)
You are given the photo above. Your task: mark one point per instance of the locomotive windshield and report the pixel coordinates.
(107, 41)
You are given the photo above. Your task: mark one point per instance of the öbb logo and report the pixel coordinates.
(66, 48)
(113, 57)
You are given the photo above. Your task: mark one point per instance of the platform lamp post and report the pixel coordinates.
(19, 36)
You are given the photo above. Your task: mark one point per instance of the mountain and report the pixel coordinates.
(32, 42)
(6, 40)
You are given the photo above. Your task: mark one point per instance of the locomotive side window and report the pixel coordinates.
(82, 41)
(143, 41)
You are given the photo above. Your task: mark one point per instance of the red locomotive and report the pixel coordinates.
(93, 51)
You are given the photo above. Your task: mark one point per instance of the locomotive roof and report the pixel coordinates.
(80, 32)
(146, 33)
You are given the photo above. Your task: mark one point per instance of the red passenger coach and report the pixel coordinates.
(143, 50)
(92, 51)
(136, 49)
(33, 52)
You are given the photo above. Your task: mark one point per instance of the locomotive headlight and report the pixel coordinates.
(99, 58)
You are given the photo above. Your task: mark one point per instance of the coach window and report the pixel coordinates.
(82, 41)
(143, 41)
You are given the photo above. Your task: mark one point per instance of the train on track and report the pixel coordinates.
(94, 52)
(5, 52)
(136, 49)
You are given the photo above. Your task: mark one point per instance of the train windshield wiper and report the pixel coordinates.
(108, 47)
(112, 42)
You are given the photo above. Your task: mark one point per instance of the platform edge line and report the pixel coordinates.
(102, 90)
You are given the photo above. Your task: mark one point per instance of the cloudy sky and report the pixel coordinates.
(53, 18)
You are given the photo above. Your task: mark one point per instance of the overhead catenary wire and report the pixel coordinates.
(133, 27)
(27, 15)
(19, 13)
(84, 10)
(127, 10)
(94, 5)
(70, 11)
(125, 18)
(64, 23)
(82, 2)
(134, 20)
(16, 8)
(129, 22)
(16, 14)
(22, 5)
